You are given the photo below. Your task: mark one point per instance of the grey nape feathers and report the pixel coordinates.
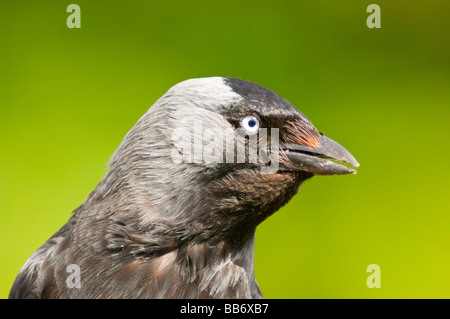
(165, 223)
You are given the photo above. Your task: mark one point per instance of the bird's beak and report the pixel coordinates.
(319, 160)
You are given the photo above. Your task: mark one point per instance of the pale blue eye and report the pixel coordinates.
(250, 123)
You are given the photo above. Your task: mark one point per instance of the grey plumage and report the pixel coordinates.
(153, 228)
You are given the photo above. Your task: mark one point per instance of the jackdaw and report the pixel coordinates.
(175, 214)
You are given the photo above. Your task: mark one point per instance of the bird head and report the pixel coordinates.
(216, 156)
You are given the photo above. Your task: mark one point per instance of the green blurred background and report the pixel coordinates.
(68, 96)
